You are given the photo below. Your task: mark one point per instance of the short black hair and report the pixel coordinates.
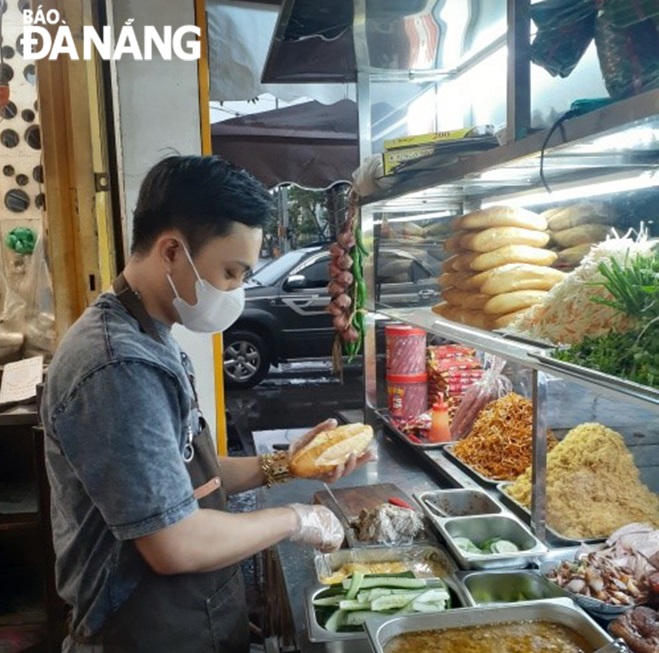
(201, 196)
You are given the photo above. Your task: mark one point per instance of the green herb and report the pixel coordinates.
(633, 355)
(633, 285)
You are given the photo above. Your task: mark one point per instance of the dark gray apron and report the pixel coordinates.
(182, 613)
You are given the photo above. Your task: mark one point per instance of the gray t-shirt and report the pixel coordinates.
(117, 415)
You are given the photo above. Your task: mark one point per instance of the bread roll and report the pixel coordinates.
(506, 320)
(440, 309)
(510, 302)
(329, 449)
(462, 261)
(517, 276)
(585, 233)
(473, 318)
(512, 254)
(459, 280)
(465, 298)
(452, 244)
(496, 237)
(447, 264)
(578, 214)
(572, 255)
(502, 216)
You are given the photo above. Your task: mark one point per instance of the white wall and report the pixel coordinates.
(158, 113)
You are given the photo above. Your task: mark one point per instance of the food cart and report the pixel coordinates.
(575, 159)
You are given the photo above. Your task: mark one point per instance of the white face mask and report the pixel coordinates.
(215, 310)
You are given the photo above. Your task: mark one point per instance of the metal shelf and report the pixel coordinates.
(533, 356)
(577, 149)
(512, 350)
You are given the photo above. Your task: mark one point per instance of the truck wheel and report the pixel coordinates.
(246, 359)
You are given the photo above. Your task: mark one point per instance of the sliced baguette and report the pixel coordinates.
(329, 449)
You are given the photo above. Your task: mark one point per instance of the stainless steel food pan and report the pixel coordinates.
(503, 586)
(317, 633)
(424, 561)
(461, 502)
(481, 528)
(560, 611)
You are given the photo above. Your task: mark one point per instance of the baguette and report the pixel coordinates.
(510, 302)
(517, 276)
(452, 244)
(465, 298)
(506, 320)
(496, 237)
(512, 254)
(329, 449)
(447, 264)
(585, 233)
(572, 255)
(459, 280)
(578, 214)
(462, 261)
(502, 216)
(463, 315)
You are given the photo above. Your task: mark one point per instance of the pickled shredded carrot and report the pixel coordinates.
(500, 443)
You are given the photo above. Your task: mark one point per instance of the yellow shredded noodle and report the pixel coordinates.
(593, 485)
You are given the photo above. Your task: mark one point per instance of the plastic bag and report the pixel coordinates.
(39, 322)
(629, 56)
(565, 30)
(492, 385)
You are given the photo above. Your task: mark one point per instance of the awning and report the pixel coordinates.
(310, 144)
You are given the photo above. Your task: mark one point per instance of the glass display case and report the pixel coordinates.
(603, 163)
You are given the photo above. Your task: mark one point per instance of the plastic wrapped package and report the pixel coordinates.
(39, 321)
(491, 386)
(12, 313)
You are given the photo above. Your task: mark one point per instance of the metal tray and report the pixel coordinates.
(319, 634)
(391, 428)
(560, 611)
(506, 586)
(460, 502)
(524, 513)
(448, 452)
(599, 609)
(644, 392)
(424, 561)
(480, 528)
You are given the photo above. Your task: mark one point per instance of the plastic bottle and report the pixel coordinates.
(440, 430)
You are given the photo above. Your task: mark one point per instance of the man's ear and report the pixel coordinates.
(169, 248)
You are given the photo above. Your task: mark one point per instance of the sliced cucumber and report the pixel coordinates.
(466, 544)
(504, 546)
(358, 618)
(352, 604)
(393, 581)
(393, 602)
(355, 584)
(328, 600)
(334, 623)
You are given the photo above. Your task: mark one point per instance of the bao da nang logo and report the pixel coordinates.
(41, 42)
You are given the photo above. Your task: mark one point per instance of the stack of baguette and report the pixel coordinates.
(575, 229)
(498, 267)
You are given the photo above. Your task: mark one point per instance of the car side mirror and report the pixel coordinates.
(295, 281)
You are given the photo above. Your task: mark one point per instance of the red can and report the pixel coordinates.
(407, 394)
(406, 349)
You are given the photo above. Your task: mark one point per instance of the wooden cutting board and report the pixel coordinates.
(352, 500)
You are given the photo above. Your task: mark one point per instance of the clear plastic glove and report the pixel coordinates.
(346, 468)
(318, 526)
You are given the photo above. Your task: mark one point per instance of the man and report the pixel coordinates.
(146, 552)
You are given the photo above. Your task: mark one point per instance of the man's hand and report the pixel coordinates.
(342, 470)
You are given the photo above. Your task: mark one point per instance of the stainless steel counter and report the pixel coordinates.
(396, 464)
